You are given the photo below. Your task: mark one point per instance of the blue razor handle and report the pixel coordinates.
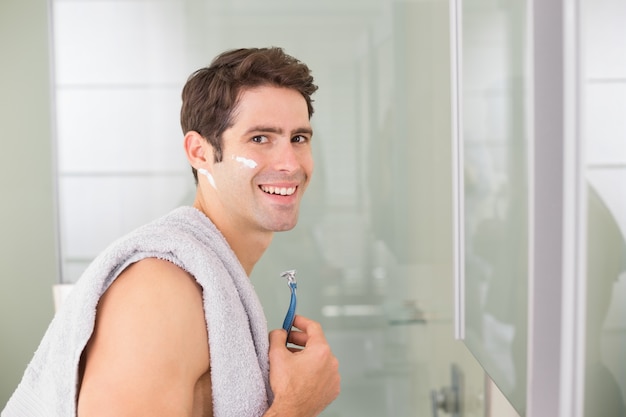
(291, 312)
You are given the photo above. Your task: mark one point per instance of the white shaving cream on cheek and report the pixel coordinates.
(245, 161)
(209, 176)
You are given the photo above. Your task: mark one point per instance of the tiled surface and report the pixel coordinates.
(119, 130)
(119, 69)
(97, 210)
(605, 38)
(119, 42)
(605, 122)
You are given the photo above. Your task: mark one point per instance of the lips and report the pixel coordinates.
(269, 189)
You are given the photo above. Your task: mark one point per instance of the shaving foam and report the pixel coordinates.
(208, 175)
(245, 161)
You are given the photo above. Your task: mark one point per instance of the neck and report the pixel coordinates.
(247, 245)
(247, 248)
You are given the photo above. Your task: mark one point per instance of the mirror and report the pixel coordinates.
(494, 155)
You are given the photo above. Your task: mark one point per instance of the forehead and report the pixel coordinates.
(271, 104)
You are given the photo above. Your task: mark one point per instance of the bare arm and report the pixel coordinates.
(149, 348)
(305, 381)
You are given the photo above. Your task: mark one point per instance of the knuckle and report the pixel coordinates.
(337, 387)
(315, 326)
(326, 354)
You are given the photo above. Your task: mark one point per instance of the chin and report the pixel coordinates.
(285, 226)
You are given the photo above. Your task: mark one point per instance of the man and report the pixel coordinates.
(177, 329)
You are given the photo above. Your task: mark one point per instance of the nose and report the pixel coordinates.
(287, 157)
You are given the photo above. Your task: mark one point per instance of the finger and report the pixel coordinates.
(308, 326)
(301, 322)
(298, 338)
(278, 337)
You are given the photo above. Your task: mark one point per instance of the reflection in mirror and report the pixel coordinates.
(496, 190)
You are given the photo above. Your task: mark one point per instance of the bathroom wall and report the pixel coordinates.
(117, 99)
(604, 126)
(28, 250)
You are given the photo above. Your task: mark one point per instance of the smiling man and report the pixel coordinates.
(165, 322)
(254, 185)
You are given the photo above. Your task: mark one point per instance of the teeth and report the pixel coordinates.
(278, 190)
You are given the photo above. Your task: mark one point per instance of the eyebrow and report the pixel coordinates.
(272, 129)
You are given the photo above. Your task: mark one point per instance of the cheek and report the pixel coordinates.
(309, 164)
(209, 177)
(305, 159)
(234, 176)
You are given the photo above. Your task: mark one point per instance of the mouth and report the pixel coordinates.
(268, 189)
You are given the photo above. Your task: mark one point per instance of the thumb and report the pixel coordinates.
(278, 337)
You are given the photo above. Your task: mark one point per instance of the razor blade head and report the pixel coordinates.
(290, 275)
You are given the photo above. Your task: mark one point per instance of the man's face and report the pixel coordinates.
(267, 161)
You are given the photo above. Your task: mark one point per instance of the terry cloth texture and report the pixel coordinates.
(236, 324)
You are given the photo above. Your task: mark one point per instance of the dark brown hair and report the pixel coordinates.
(211, 94)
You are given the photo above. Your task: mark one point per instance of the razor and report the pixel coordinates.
(291, 312)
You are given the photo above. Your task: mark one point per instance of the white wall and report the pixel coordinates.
(604, 95)
(117, 98)
(28, 257)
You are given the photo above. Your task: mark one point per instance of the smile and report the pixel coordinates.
(278, 190)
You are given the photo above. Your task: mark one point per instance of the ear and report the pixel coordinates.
(198, 150)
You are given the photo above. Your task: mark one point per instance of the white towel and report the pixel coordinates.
(237, 327)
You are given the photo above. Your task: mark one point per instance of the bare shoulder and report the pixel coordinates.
(149, 347)
(155, 277)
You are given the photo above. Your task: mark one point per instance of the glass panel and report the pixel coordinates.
(495, 152)
(604, 91)
(373, 247)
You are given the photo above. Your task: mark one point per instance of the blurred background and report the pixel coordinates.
(92, 148)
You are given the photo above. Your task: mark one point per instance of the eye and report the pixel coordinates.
(300, 139)
(259, 139)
